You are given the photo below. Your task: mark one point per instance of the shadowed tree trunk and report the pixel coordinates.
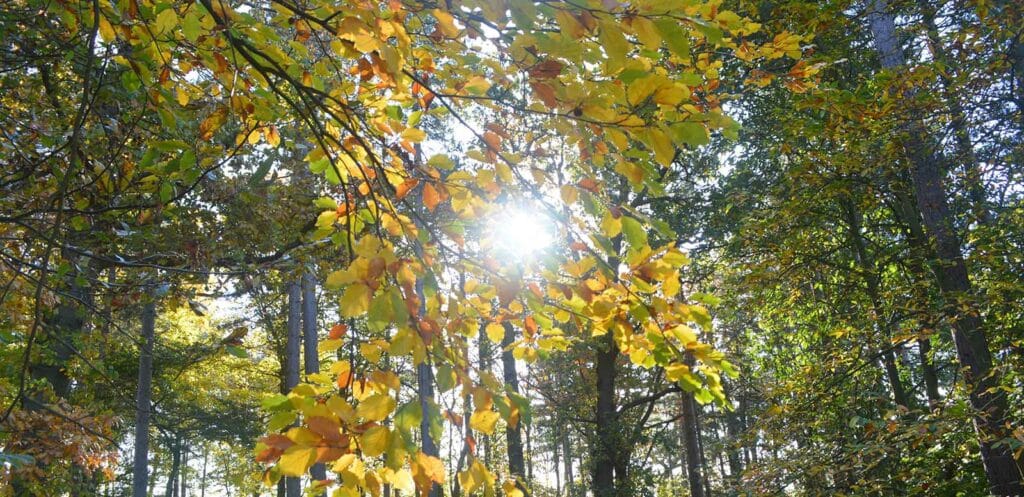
(513, 434)
(691, 442)
(143, 397)
(971, 343)
(293, 486)
(310, 341)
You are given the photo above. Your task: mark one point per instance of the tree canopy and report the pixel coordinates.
(511, 247)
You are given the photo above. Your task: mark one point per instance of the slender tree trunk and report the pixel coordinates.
(603, 457)
(293, 486)
(184, 468)
(868, 267)
(484, 364)
(691, 444)
(202, 483)
(958, 119)
(732, 435)
(143, 395)
(990, 403)
(310, 341)
(513, 434)
(425, 393)
(172, 476)
(570, 484)
(931, 379)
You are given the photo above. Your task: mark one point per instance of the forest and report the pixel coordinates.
(511, 248)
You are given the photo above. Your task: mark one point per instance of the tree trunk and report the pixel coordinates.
(732, 436)
(1003, 474)
(931, 379)
(293, 486)
(567, 462)
(310, 341)
(143, 397)
(867, 264)
(425, 393)
(691, 444)
(184, 468)
(513, 434)
(202, 482)
(603, 457)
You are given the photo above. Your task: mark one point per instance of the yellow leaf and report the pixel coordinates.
(414, 135)
(296, 460)
(611, 226)
(477, 85)
(374, 441)
(511, 489)
(495, 332)
(642, 88)
(375, 407)
(484, 421)
(646, 32)
(446, 23)
(355, 301)
(272, 136)
(107, 31)
(432, 467)
(569, 194)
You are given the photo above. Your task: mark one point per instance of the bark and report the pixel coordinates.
(202, 482)
(603, 457)
(425, 393)
(870, 271)
(184, 468)
(732, 436)
(484, 364)
(310, 342)
(691, 444)
(172, 477)
(293, 486)
(931, 379)
(567, 462)
(143, 397)
(513, 434)
(1004, 476)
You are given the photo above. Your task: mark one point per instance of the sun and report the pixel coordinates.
(520, 233)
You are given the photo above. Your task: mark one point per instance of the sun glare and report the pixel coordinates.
(521, 233)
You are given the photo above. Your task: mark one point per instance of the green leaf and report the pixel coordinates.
(634, 231)
(677, 39)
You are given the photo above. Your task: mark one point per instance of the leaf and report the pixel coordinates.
(569, 194)
(646, 32)
(375, 407)
(107, 32)
(431, 198)
(675, 37)
(634, 231)
(355, 301)
(166, 20)
(484, 421)
(495, 332)
(374, 441)
(446, 23)
(414, 135)
(296, 460)
(614, 44)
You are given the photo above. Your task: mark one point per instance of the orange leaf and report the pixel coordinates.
(546, 93)
(493, 140)
(403, 189)
(338, 331)
(327, 428)
(431, 197)
(546, 70)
